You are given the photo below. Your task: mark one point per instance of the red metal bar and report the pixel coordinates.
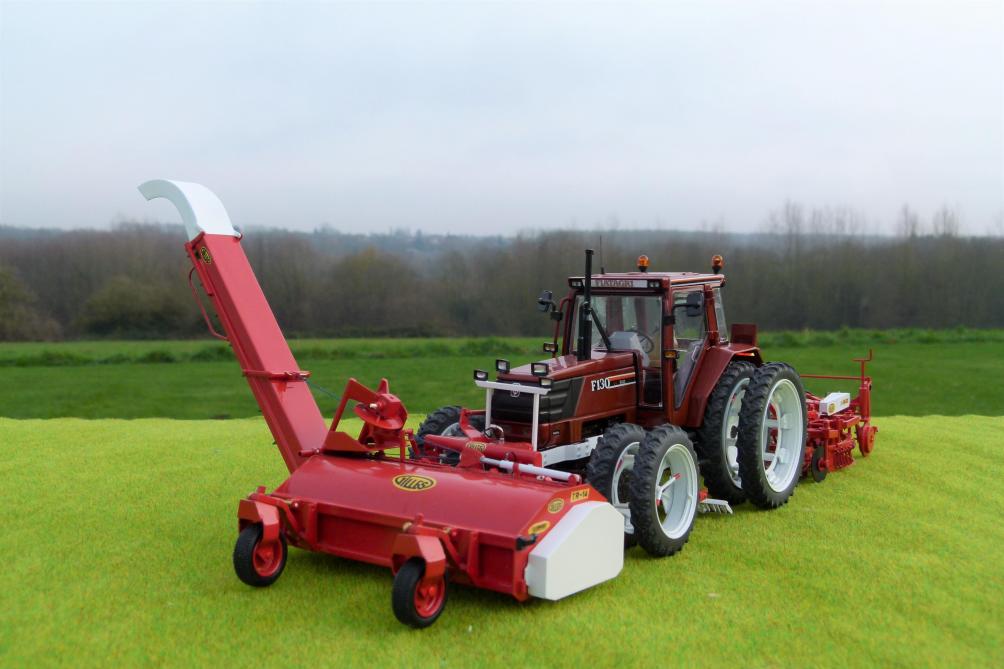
(289, 409)
(829, 376)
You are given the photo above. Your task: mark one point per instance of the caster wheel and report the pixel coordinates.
(258, 563)
(416, 604)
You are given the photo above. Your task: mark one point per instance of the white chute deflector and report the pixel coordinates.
(200, 209)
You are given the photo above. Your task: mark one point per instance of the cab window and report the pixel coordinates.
(632, 322)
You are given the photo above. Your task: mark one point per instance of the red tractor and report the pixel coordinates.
(646, 391)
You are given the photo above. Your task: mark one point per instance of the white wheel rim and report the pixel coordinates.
(730, 429)
(781, 436)
(625, 463)
(676, 491)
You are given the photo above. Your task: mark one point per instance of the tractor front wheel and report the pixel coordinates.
(256, 562)
(415, 603)
(772, 432)
(611, 466)
(444, 422)
(664, 491)
(716, 440)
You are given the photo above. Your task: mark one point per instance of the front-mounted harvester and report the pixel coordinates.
(601, 445)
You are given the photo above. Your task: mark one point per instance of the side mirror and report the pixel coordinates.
(695, 304)
(545, 301)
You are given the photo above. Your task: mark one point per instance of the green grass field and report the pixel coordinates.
(117, 545)
(914, 375)
(117, 551)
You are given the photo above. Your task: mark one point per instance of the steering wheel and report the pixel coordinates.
(647, 343)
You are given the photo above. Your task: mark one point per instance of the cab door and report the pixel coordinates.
(688, 342)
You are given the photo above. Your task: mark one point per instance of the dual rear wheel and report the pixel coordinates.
(752, 442)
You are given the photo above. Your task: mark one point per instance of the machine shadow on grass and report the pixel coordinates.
(337, 570)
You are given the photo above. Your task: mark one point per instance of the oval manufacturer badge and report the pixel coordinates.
(413, 482)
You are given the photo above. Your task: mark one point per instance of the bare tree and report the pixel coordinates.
(945, 222)
(907, 223)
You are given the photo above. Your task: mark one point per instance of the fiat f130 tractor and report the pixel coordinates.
(646, 392)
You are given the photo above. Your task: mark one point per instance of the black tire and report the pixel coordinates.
(439, 422)
(647, 475)
(602, 468)
(711, 439)
(244, 554)
(751, 419)
(403, 596)
(818, 474)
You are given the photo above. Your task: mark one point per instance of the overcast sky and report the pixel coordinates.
(493, 118)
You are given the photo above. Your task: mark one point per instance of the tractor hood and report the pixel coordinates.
(604, 384)
(568, 366)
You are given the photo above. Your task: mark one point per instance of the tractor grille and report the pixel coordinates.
(559, 404)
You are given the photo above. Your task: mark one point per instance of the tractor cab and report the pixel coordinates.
(627, 347)
(664, 326)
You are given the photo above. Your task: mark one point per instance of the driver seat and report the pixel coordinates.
(621, 340)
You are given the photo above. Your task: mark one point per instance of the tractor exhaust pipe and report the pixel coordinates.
(585, 339)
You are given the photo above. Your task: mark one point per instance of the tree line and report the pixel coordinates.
(805, 268)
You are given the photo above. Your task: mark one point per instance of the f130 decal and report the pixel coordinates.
(611, 382)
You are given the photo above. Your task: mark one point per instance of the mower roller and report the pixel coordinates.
(604, 444)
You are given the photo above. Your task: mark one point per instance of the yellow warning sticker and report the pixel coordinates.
(555, 505)
(413, 482)
(579, 495)
(539, 528)
(206, 258)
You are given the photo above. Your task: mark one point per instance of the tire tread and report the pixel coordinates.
(644, 516)
(714, 461)
(750, 417)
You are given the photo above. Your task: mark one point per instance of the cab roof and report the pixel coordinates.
(644, 279)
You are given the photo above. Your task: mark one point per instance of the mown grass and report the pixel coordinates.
(118, 535)
(911, 378)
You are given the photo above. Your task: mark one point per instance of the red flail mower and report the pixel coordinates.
(602, 445)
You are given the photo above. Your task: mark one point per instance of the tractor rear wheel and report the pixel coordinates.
(416, 604)
(772, 432)
(444, 422)
(257, 563)
(610, 469)
(664, 491)
(716, 440)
